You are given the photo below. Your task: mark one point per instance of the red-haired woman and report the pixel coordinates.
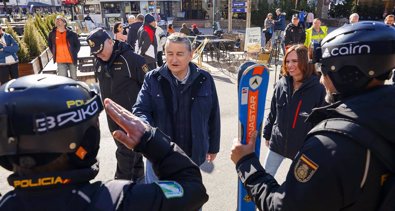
(295, 95)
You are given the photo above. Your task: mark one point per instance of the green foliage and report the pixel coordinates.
(33, 39)
(258, 15)
(50, 21)
(23, 53)
(285, 7)
(307, 7)
(41, 26)
(376, 11)
(355, 8)
(365, 12)
(342, 10)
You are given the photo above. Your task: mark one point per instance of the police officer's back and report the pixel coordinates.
(348, 159)
(50, 138)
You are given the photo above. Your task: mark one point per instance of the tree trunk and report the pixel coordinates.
(5, 6)
(320, 4)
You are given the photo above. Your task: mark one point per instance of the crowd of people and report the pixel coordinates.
(302, 29)
(331, 115)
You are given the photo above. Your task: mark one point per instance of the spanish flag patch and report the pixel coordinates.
(304, 169)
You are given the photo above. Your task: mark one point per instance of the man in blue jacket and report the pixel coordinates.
(279, 27)
(8, 58)
(279, 22)
(181, 100)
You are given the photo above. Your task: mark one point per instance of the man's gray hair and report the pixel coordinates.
(132, 17)
(354, 15)
(178, 37)
(140, 17)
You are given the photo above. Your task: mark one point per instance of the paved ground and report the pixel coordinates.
(219, 178)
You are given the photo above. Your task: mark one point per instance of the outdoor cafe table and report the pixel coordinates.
(208, 36)
(85, 59)
(215, 46)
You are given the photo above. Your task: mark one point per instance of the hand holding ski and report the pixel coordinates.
(240, 150)
(252, 86)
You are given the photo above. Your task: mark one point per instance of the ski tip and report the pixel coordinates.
(245, 65)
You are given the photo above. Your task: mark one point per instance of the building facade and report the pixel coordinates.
(118, 10)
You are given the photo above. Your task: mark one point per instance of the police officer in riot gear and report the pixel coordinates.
(49, 137)
(348, 158)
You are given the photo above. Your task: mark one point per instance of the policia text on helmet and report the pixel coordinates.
(355, 54)
(50, 138)
(47, 117)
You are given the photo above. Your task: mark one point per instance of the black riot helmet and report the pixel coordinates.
(45, 116)
(356, 53)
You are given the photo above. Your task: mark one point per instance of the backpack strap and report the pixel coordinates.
(352, 130)
(362, 135)
(346, 127)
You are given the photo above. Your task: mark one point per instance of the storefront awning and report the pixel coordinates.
(38, 4)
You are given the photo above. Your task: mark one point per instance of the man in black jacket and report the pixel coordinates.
(131, 20)
(121, 73)
(294, 32)
(348, 159)
(53, 153)
(133, 29)
(64, 45)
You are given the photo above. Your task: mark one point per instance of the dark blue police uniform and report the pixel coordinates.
(120, 79)
(333, 171)
(180, 188)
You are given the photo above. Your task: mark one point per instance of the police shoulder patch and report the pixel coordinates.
(304, 169)
(145, 68)
(171, 189)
